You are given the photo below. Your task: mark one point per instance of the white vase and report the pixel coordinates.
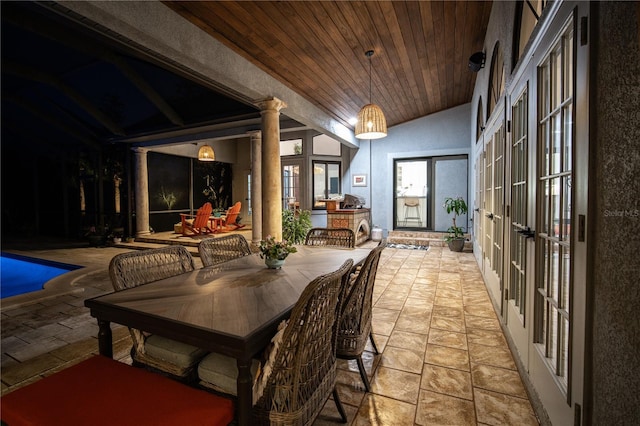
(274, 263)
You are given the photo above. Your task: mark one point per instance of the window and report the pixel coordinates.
(326, 182)
(496, 81)
(325, 145)
(291, 147)
(528, 12)
(479, 120)
(291, 186)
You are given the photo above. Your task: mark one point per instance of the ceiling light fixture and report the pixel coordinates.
(205, 153)
(371, 122)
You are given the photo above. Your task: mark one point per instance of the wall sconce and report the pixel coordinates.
(476, 61)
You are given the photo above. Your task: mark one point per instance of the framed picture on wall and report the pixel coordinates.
(359, 180)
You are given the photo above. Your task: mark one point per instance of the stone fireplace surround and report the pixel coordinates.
(358, 220)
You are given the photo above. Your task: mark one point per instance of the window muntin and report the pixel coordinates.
(326, 182)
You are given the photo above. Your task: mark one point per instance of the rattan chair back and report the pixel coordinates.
(354, 327)
(331, 237)
(304, 370)
(135, 268)
(214, 251)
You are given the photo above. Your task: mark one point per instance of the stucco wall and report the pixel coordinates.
(616, 209)
(444, 133)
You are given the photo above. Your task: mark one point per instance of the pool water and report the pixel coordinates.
(22, 274)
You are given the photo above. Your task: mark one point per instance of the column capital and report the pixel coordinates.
(140, 150)
(255, 133)
(271, 104)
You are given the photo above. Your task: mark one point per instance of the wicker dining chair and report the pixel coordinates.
(330, 237)
(136, 268)
(299, 374)
(354, 327)
(304, 369)
(218, 250)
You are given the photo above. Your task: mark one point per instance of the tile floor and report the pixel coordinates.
(443, 361)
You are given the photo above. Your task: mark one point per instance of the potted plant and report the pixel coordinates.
(295, 225)
(455, 239)
(275, 252)
(96, 238)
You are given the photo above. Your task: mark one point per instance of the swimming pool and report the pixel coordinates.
(22, 274)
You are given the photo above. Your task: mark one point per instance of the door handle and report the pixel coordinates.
(527, 232)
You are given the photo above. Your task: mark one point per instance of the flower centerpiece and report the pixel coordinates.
(275, 252)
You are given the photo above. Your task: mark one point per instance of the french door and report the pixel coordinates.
(493, 203)
(520, 257)
(553, 319)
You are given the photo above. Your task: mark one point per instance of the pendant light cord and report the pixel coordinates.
(369, 54)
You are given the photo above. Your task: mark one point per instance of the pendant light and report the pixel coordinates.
(205, 153)
(371, 122)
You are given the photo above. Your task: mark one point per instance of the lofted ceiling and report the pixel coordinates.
(64, 84)
(317, 48)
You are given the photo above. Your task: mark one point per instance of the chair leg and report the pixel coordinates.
(336, 399)
(363, 374)
(373, 343)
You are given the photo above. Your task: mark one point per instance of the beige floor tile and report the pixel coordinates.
(329, 415)
(480, 311)
(498, 380)
(449, 302)
(403, 359)
(447, 380)
(446, 323)
(447, 311)
(406, 340)
(447, 357)
(396, 384)
(447, 338)
(377, 410)
(438, 409)
(443, 292)
(484, 323)
(423, 292)
(486, 337)
(491, 355)
(498, 409)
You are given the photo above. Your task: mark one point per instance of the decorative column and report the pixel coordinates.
(256, 186)
(141, 192)
(271, 170)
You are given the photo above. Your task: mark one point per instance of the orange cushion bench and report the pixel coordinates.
(101, 391)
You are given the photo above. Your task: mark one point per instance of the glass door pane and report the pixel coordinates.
(411, 206)
(291, 186)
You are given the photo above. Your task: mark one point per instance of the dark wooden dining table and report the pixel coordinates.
(233, 308)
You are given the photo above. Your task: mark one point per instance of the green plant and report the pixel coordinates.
(458, 207)
(272, 249)
(295, 225)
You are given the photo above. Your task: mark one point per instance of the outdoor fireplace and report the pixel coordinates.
(358, 220)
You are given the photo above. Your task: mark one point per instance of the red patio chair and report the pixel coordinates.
(230, 220)
(198, 224)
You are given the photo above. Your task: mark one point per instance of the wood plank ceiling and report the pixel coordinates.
(316, 48)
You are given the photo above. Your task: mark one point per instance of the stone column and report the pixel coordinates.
(271, 169)
(256, 185)
(141, 192)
